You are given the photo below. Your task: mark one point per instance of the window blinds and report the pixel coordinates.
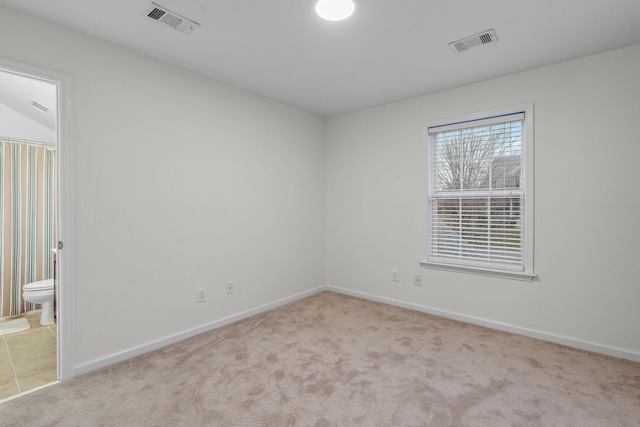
(476, 193)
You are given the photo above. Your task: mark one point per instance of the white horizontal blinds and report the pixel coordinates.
(480, 231)
(477, 123)
(476, 191)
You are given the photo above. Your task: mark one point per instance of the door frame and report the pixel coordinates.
(64, 258)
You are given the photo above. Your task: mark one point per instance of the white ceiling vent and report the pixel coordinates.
(164, 15)
(479, 39)
(39, 106)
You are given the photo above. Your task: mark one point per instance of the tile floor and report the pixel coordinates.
(28, 358)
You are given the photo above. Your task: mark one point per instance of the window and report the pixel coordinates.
(479, 207)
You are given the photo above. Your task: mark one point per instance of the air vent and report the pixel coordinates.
(480, 39)
(40, 106)
(164, 15)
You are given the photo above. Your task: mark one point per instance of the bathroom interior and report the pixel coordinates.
(28, 137)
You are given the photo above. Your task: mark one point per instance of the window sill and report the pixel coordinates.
(516, 275)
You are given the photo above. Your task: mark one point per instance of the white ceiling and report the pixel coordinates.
(20, 119)
(387, 51)
(17, 92)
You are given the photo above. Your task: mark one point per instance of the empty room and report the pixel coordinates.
(320, 213)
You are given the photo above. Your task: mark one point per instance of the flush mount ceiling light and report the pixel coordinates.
(335, 10)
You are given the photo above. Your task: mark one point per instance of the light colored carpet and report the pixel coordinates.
(334, 360)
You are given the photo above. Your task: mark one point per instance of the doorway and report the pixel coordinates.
(35, 105)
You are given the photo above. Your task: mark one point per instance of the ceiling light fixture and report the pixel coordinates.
(335, 10)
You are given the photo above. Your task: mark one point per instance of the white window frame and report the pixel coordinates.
(526, 272)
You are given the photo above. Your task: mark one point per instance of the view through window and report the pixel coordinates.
(477, 194)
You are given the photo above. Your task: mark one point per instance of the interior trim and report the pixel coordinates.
(621, 353)
(156, 344)
(64, 280)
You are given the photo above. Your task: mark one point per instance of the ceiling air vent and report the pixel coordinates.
(480, 39)
(38, 105)
(164, 15)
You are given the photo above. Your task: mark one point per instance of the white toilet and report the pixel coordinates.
(41, 293)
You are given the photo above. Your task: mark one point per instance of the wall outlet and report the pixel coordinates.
(417, 280)
(395, 276)
(201, 295)
(229, 288)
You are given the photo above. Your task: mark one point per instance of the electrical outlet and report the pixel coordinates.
(395, 276)
(417, 280)
(201, 295)
(229, 288)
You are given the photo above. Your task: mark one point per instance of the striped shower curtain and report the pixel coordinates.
(27, 232)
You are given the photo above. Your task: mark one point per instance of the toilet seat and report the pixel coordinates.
(41, 292)
(42, 285)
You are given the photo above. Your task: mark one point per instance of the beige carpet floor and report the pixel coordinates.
(334, 360)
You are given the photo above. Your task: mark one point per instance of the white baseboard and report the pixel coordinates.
(541, 335)
(120, 356)
(103, 362)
